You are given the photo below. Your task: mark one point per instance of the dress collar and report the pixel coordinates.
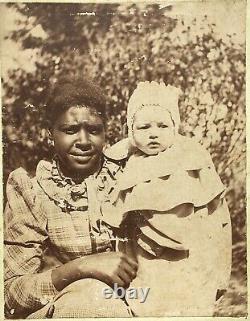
(69, 195)
(57, 176)
(62, 190)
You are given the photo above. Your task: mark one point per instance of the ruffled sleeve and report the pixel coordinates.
(26, 290)
(118, 151)
(183, 174)
(209, 185)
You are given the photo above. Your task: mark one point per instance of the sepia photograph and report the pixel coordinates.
(124, 159)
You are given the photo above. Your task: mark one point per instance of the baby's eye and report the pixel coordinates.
(143, 126)
(163, 126)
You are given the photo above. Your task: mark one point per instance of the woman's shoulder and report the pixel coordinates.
(23, 200)
(24, 182)
(20, 191)
(20, 178)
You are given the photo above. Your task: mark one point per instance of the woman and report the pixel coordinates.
(58, 209)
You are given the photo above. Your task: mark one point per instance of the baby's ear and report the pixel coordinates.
(124, 130)
(181, 130)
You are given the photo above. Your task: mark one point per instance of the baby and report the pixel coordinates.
(169, 205)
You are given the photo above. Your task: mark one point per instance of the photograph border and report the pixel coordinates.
(247, 169)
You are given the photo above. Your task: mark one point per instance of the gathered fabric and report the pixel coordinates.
(185, 167)
(171, 206)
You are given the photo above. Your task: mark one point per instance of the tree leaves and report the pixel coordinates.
(119, 45)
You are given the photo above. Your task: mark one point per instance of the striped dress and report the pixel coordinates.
(48, 212)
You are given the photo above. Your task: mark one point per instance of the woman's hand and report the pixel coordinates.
(108, 267)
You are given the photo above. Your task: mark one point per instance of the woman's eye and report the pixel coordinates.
(69, 131)
(163, 125)
(95, 130)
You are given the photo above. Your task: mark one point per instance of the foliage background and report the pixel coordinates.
(119, 45)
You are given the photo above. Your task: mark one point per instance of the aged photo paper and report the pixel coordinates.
(124, 168)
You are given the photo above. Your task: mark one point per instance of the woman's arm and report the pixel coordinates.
(26, 288)
(110, 268)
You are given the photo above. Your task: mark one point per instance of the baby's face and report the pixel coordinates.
(153, 130)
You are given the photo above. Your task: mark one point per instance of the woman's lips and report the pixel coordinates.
(83, 157)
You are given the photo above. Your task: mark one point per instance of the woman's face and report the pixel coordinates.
(79, 140)
(153, 130)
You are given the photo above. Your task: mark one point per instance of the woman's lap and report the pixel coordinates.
(83, 298)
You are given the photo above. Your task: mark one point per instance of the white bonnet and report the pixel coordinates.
(154, 94)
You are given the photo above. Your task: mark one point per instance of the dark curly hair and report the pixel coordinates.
(70, 91)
